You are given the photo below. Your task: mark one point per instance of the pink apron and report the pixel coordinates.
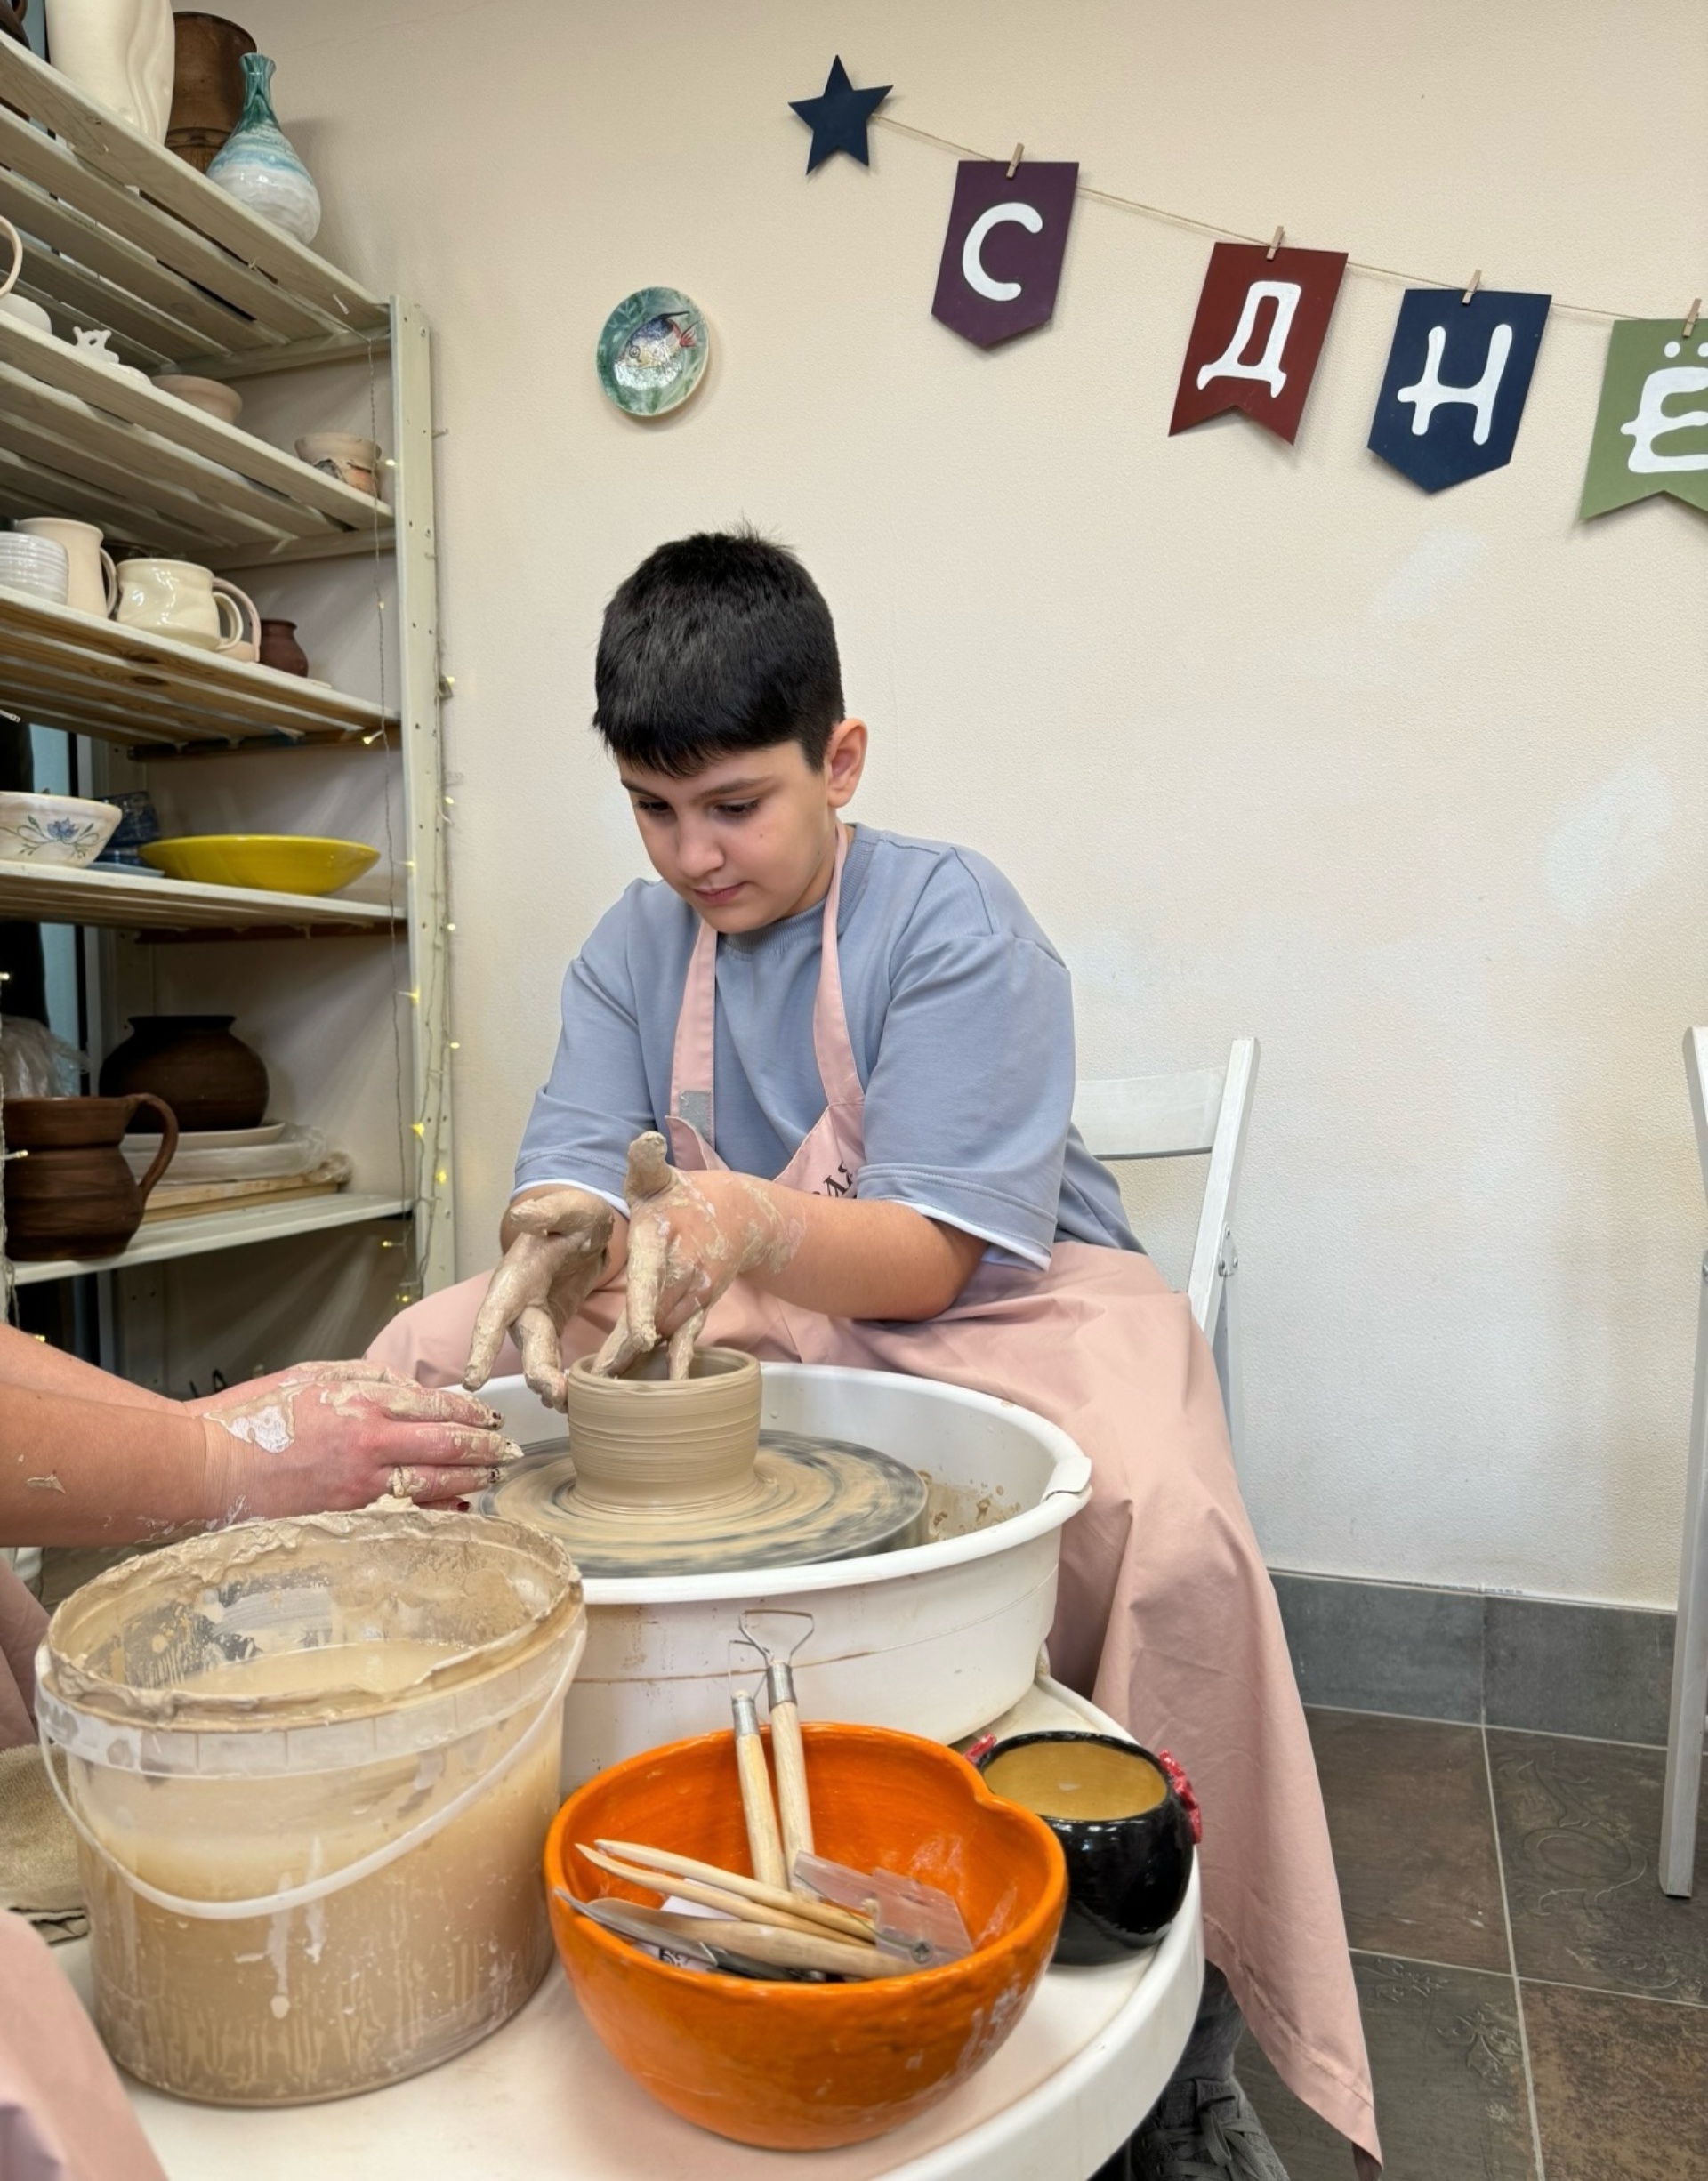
(1166, 1616)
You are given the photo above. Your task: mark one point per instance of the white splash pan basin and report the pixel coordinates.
(937, 1640)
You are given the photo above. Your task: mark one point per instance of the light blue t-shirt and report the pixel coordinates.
(960, 1016)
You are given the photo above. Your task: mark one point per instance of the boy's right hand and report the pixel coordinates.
(559, 1241)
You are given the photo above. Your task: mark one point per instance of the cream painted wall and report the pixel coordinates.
(1413, 788)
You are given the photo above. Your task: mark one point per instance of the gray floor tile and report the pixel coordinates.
(1385, 1647)
(1408, 1813)
(1446, 2059)
(1620, 2084)
(1579, 1826)
(1559, 1669)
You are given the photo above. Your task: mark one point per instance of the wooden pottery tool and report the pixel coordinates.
(737, 1949)
(764, 1843)
(795, 1810)
(663, 1872)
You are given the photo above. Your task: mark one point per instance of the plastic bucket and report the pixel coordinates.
(311, 1764)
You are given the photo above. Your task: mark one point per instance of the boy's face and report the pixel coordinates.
(750, 838)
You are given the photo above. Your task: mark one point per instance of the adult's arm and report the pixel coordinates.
(27, 1362)
(81, 1471)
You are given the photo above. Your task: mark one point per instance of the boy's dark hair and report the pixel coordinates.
(717, 642)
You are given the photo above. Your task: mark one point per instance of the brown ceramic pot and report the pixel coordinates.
(207, 87)
(210, 1079)
(73, 1195)
(12, 19)
(280, 649)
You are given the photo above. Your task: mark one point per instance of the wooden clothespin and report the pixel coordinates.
(1276, 241)
(1691, 315)
(1472, 284)
(1019, 153)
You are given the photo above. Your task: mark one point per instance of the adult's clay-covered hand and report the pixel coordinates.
(334, 1436)
(554, 1262)
(689, 1236)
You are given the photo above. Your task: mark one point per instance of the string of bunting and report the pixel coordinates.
(1459, 368)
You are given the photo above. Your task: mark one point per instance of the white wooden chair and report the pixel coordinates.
(1684, 1726)
(1177, 1116)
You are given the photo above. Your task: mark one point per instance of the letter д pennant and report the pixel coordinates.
(1260, 327)
(1457, 377)
(1002, 256)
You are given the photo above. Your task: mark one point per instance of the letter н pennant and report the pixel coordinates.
(1002, 256)
(1260, 327)
(1458, 374)
(1651, 424)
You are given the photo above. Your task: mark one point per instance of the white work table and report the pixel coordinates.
(541, 2098)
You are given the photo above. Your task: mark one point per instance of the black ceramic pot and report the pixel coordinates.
(1126, 1876)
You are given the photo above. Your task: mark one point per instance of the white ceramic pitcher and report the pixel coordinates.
(91, 581)
(182, 600)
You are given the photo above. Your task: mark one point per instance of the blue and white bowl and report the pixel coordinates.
(54, 829)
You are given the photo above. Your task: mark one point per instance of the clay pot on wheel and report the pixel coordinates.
(206, 87)
(210, 1079)
(73, 1195)
(279, 649)
(645, 1440)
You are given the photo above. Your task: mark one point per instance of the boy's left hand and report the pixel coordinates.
(689, 1236)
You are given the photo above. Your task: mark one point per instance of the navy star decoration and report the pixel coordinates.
(838, 117)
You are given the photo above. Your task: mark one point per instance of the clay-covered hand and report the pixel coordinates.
(330, 1435)
(554, 1262)
(689, 1236)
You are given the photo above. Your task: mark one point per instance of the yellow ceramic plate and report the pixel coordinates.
(274, 862)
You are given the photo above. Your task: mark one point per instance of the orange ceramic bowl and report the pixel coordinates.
(805, 2067)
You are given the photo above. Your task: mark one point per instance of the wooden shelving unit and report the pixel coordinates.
(117, 684)
(121, 234)
(223, 1230)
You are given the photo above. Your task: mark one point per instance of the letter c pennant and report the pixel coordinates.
(1458, 374)
(1002, 254)
(1260, 329)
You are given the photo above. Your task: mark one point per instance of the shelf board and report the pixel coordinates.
(81, 437)
(124, 901)
(98, 678)
(223, 1230)
(120, 232)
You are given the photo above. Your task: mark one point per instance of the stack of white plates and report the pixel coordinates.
(33, 563)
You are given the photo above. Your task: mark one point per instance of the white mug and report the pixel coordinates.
(91, 582)
(182, 600)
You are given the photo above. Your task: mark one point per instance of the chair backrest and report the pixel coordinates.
(1177, 1116)
(1695, 1069)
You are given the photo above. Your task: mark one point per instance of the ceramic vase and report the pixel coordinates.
(279, 649)
(74, 1196)
(118, 53)
(208, 87)
(210, 1079)
(257, 165)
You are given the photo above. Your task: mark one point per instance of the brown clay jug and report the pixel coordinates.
(12, 19)
(72, 1194)
(279, 649)
(206, 86)
(210, 1079)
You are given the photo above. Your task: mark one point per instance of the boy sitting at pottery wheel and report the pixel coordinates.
(812, 1098)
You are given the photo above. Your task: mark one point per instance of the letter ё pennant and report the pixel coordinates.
(1260, 329)
(1002, 254)
(1651, 424)
(1457, 377)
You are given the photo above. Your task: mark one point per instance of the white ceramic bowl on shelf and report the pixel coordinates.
(36, 564)
(54, 829)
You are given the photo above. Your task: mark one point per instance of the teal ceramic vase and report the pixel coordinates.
(257, 164)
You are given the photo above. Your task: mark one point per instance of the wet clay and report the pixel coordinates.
(1083, 1779)
(646, 1444)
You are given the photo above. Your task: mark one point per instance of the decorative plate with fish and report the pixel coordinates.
(652, 351)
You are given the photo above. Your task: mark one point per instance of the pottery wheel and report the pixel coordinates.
(811, 1500)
